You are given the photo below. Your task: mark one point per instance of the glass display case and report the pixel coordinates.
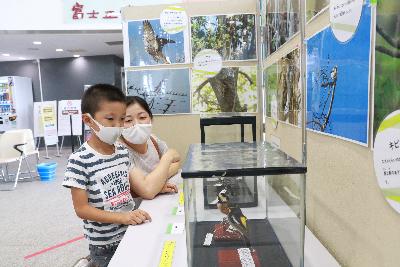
(267, 232)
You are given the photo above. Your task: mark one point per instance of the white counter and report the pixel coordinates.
(142, 245)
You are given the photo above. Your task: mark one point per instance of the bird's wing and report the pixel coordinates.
(149, 38)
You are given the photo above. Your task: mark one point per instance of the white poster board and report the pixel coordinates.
(49, 121)
(65, 109)
(37, 119)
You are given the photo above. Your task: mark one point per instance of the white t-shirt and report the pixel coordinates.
(148, 161)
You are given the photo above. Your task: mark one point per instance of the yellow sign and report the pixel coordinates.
(181, 199)
(167, 254)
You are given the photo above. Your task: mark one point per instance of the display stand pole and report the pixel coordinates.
(72, 134)
(62, 143)
(58, 151)
(47, 152)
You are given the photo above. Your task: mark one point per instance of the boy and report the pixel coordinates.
(97, 175)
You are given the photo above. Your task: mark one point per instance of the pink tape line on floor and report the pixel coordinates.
(53, 247)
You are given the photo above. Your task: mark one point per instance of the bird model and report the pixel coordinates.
(237, 220)
(154, 44)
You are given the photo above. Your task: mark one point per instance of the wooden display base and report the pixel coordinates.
(223, 233)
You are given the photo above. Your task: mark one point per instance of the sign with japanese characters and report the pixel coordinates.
(49, 122)
(173, 19)
(99, 11)
(67, 108)
(344, 17)
(38, 127)
(387, 158)
(208, 62)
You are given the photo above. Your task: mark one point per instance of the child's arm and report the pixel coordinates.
(84, 211)
(149, 186)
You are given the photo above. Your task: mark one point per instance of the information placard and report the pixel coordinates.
(37, 119)
(49, 122)
(67, 108)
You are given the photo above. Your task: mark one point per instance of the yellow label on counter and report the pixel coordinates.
(167, 254)
(181, 199)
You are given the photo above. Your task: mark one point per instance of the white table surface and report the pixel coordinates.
(142, 244)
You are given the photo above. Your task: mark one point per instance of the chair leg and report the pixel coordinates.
(16, 176)
(29, 167)
(7, 173)
(2, 174)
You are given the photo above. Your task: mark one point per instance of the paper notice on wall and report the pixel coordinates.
(67, 108)
(344, 17)
(387, 158)
(208, 63)
(173, 19)
(49, 122)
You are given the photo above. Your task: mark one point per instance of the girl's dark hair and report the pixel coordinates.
(130, 100)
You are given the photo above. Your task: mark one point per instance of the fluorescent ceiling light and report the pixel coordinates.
(6, 55)
(22, 58)
(37, 43)
(59, 49)
(77, 55)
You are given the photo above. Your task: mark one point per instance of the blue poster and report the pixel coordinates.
(338, 82)
(167, 91)
(149, 44)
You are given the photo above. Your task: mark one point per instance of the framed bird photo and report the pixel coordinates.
(165, 90)
(233, 89)
(233, 36)
(338, 82)
(148, 44)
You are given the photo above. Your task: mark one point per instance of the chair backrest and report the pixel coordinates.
(8, 140)
(30, 142)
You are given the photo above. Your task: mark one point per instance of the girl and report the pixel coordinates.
(146, 151)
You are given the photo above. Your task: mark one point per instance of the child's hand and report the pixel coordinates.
(134, 217)
(169, 188)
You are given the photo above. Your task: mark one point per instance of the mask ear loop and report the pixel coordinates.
(95, 122)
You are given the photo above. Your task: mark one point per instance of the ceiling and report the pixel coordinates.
(19, 45)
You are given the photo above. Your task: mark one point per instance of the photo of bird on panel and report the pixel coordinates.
(149, 44)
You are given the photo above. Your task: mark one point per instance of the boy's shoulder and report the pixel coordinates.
(82, 153)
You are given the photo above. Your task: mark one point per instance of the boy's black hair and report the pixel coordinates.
(130, 100)
(97, 93)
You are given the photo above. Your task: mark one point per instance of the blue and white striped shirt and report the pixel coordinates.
(105, 178)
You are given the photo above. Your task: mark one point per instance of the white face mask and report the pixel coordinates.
(137, 134)
(107, 134)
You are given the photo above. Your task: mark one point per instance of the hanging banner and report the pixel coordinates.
(49, 122)
(67, 108)
(92, 12)
(338, 82)
(387, 158)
